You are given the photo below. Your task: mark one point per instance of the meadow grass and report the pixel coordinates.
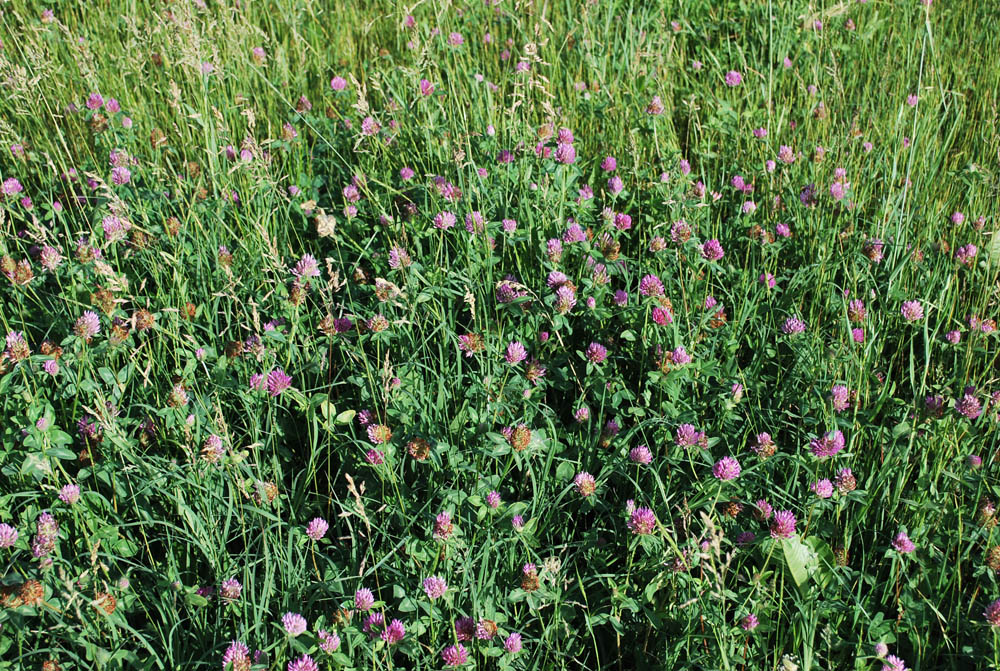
(571, 335)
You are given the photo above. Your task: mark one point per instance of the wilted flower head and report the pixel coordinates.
(845, 481)
(88, 325)
(992, 613)
(442, 526)
(585, 484)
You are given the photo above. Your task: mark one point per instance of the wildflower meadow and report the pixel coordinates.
(510, 335)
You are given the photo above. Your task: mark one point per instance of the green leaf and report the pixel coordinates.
(193, 599)
(798, 558)
(565, 471)
(36, 465)
(60, 453)
(345, 417)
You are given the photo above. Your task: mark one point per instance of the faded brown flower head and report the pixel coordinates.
(104, 602)
(993, 558)
(144, 320)
(418, 448)
(31, 593)
(520, 437)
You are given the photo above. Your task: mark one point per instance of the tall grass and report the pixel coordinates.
(192, 471)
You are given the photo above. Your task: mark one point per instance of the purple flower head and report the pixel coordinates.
(828, 445)
(840, 396)
(8, 536)
(585, 484)
(733, 78)
(679, 356)
(516, 353)
(303, 663)
(992, 613)
(783, 524)
(306, 268)
(650, 285)
(688, 436)
(69, 494)
(394, 633)
(237, 656)
(596, 353)
(793, 326)
(642, 521)
(277, 382)
(615, 185)
(822, 488)
(317, 528)
(565, 153)
(364, 599)
(912, 311)
(969, 406)
(512, 643)
(294, 624)
(435, 587)
(711, 250)
(328, 642)
(88, 325)
(727, 468)
(443, 526)
(903, 544)
(230, 589)
(640, 455)
(454, 655)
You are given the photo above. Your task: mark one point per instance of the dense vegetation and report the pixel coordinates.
(511, 334)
